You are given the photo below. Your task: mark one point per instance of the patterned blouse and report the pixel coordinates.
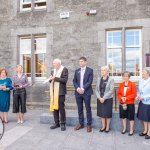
(22, 81)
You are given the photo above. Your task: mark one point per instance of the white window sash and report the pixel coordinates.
(113, 36)
(135, 78)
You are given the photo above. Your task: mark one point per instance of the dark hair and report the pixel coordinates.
(127, 72)
(3, 70)
(83, 58)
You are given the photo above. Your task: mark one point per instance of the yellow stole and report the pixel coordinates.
(54, 90)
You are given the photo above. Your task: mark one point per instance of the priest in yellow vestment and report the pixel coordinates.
(58, 81)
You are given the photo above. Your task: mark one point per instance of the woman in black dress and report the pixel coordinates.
(104, 93)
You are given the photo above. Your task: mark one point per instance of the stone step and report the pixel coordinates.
(72, 120)
(69, 106)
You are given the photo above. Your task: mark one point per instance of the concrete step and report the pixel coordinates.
(72, 120)
(69, 106)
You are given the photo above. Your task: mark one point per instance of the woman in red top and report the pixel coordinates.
(126, 95)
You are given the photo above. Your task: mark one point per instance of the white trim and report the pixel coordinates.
(30, 8)
(118, 47)
(140, 40)
(24, 3)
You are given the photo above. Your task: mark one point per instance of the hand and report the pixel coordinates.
(80, 90)
(51, 78)
(5, 89)
(19, 87)
(123, 99)
(101, 99)
(141, 98)
(137, 98)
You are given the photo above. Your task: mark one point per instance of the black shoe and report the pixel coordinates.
(106, 131)
(130, 134)
(147, 137)
(102, 130)
(142, 134)
(55, 126)
(123, 132)
(63, 127)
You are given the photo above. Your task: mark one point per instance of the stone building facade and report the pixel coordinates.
(33, 34)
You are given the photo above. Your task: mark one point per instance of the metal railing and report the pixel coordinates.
(116, 101)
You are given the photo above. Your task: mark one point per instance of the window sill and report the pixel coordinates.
(32, 11)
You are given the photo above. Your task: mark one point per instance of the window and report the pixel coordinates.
(133, 51)
(114, 52)
(33, 59)
(39, 4)
(125, 55)
(40, 52)
(28, 5)
(25, 55)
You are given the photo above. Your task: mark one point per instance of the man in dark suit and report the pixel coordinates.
(82, 81)
(60, 75)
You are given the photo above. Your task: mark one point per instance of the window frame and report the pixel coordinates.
(32, 8)
(33, 77)
(123, 49)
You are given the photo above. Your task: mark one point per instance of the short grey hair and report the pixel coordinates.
(147, 69)
(57, 60)
(106, 68)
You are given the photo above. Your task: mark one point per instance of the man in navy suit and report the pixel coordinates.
(82, 81)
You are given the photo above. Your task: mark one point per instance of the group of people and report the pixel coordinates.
(128, 95)
(18, 84)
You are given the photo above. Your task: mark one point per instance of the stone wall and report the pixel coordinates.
(68, 39)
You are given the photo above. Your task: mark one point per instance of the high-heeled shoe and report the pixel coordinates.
(102, 130)
(18, 121)
(147, 137)
(21, 121)
(130, 134)
(106, 131)
(142, 134)
(123, 131)
(5, 122)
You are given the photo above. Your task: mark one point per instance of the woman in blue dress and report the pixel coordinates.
(5, 87)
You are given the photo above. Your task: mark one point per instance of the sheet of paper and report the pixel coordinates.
(2, 86)
(47, 80)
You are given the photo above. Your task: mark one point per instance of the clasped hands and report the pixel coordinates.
(4, 89)
(139, 98)
(102, 99)
(18, 87)
(80, 90)
(123, 99)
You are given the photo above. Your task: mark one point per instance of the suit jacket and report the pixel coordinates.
(63, 81)
(109, 90)
(130, 93)
(87, 81)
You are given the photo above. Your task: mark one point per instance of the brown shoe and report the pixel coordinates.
(78, 127)
(89, 128)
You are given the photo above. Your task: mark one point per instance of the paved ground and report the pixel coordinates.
(35, 136)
